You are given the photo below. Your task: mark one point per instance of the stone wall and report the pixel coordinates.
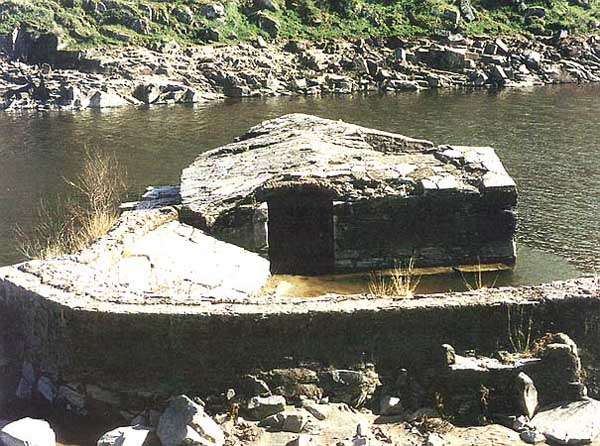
(141, 354)
(436, 229)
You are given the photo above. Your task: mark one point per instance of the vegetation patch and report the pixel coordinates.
(86, 23)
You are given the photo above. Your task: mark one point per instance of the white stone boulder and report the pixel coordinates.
(572, 423)
(27, 432)
(185, 422)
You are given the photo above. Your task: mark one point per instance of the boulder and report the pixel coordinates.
(183, 14)
(46, 389)
(570, 424)
(533, 60)
(125, 436)
(532, 436)
(212, 10)
(316, 410)
(354, 387)
(294, 422)
(527, 395)
(106, 99)
(27, 432)
(147, 93)
(268, 24)
(184, 421)
(261, 407)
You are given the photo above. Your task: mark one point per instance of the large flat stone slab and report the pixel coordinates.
(574, 423)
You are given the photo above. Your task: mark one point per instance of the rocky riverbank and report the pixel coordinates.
(170, 73)
(508, 399)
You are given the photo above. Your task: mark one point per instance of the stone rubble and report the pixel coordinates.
(170, 74)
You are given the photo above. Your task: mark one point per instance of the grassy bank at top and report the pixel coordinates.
(97, 23)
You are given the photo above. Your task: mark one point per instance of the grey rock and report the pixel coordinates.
(527, 394)
(571, 423)
(125, 436)
(274, 422)
(184, 421)
(261, 407)
(27, 432)
(268, 24)
(212, 10)
(103, 99)
(147, 93)
(184, 14)
(316, 410)
(46, 389)
(532, 436)
(294, 422)
(533, 60)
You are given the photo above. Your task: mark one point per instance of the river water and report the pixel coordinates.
(547, 137)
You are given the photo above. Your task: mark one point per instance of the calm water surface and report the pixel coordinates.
(548, 138)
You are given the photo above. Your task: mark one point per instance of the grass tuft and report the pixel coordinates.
(400, 282)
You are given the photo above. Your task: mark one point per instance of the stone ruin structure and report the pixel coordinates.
(321, 196)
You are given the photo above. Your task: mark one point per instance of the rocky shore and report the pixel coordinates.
(531, 397)
(170, 73)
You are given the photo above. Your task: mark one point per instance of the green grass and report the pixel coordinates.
(85, 26)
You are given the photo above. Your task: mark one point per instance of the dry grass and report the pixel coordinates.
(86, 215)
(520, 329)
(400, 282)
(478, 283)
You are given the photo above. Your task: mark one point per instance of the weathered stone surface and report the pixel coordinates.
(570, 424)
(185, 422)
(125, 436)
(27, 432)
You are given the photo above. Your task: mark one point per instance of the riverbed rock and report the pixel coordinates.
(185, 422)
(27, 432)
(570, 424)
(125, 436)
(260, 407)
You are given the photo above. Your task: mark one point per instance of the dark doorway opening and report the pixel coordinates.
(301, 233)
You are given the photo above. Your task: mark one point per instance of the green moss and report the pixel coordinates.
(144, 22)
